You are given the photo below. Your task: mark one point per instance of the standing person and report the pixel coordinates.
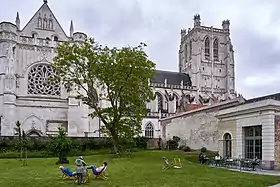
(80, 169)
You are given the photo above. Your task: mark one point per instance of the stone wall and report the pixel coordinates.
(198, 130)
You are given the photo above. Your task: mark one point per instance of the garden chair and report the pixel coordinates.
(175, 164)
(101, 174)
(67, 174)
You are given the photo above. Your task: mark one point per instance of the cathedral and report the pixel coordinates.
(205, 77)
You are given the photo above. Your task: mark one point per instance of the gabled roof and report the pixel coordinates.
(173, 78)
(32, 24)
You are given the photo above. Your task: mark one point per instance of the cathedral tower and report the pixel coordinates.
(207, 55)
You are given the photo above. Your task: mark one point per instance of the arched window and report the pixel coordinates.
(160, 101)
(186, 52)
(207, 48)
(177, 101)
(39, 82)
(39, 24)
(149, 130)
(227, 145)
(50, 24)
(216, 50)
(55, 38)
(45, 22)
(190, 54)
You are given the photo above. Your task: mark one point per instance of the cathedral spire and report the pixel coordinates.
(18, 21)
(71, 29)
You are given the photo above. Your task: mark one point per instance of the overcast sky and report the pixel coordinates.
(255, 30)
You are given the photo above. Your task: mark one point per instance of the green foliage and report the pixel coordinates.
(173, 143)
(118, 75)
(203, 149)
(185, 148)
(60, 145)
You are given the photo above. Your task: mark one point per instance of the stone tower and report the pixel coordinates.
(207, 55)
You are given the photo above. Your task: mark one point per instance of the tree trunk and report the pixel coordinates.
(115, 141)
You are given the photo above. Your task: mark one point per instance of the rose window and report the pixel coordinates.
(39, 82)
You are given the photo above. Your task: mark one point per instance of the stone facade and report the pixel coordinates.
(224, 128)
(25, 95)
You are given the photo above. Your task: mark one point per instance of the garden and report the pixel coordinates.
(140, 167)
(143, 168)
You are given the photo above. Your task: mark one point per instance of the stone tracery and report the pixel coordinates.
(39, 83)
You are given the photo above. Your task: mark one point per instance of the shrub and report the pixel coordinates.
(187, 149)
(203, 149)
(173, 143)
(141, 142)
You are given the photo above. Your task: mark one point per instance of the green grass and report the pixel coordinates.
(143, 169)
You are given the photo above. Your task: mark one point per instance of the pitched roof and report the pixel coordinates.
(44, 11)
(173, 78)
(275, 96)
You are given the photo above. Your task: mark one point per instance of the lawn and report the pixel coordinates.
(143, 169)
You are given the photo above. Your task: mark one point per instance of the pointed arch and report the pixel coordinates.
(207, 48)
(149, 130)
(159, 98)
(190, 50)
(216, 49)
(186, 52)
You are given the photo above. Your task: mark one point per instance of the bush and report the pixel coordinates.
(203, 149)
(141, 142)
(185, 148)
(173, 143)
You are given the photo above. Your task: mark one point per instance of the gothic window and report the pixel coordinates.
(39, 24)
(216, 50)
(186, 52)
(45, 22)
(190, 55)
(50, 24)
(207, 48)
(39, 83)
(160, 101)
(149, 130)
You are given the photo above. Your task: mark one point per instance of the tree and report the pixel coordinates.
(119, 76)
(21, 143)
(60, 146)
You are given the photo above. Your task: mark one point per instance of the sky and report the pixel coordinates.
(255, 30)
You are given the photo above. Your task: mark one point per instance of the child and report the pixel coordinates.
(80, 169)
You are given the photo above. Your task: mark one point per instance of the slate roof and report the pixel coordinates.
(173, 78)
(257, 99)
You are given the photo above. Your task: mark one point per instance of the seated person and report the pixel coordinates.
(98, 170)
(67, 171)
(202, 158)
(217, 159)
